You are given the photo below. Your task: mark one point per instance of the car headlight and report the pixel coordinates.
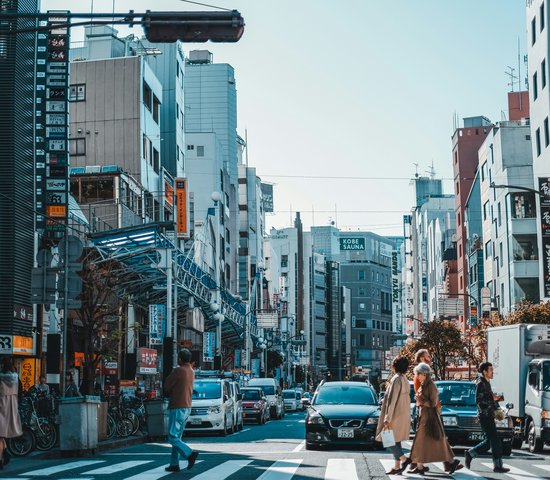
(272, 403)
(504, 423)
(315, 419)
(256, 405)
(372, 421)
(449, 420)
(214, 410)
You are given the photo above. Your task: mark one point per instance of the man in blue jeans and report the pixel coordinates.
(487, 404)
(179, 387)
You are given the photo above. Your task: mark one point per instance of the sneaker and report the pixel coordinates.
(468, 459)
(191, 459)
(501, 470)
(172, 468)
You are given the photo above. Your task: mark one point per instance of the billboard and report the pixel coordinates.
(147, 360)
(267, 197)
(157, 324)
(352, 243)
(544, 189)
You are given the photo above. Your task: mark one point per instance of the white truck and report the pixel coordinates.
(520, 355)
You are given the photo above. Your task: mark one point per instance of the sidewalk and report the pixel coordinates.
(102, 446)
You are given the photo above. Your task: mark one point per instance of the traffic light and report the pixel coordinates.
(168, 27)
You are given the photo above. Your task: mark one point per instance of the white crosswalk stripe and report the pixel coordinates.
(281, 469)
(44, 472)
(515, 473)
(462, 474)
(543, 467)
(223, 471)
(341, 469)
(117, 467)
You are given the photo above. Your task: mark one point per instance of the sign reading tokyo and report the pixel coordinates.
(355, 243)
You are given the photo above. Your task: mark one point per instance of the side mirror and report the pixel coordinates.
(225, 398)
(509, 406)
(305, 402)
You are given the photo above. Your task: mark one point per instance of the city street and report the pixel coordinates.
(274, 451)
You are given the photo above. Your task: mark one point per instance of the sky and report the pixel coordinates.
(342, 101)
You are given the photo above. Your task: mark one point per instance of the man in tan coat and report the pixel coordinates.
(179, 387)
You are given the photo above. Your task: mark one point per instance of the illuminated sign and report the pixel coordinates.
(56, 211)
(181, 204)
(22, 345)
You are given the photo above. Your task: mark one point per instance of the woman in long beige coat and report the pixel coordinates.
(430, 443)
(10, 423)
(396, 412)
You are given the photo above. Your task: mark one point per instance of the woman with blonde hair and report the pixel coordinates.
(430, 443)
(395, 414)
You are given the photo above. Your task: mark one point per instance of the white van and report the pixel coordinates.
(212, 408)
(272, 391)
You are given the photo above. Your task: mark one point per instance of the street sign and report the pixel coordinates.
(450, 307)
(485, 299)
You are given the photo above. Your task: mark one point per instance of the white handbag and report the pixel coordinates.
(388, 440)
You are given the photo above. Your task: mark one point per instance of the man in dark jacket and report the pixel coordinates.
(487, 405)
(179, 387)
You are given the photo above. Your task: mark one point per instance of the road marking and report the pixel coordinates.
(62, 468)
(388, 464)
(223, 471)
(299, 447)
(341, 469)
(301, 421)
(462, 474)
(516, 473)
(281, 469)
(543, 467)
(117, 467)
(153, 474)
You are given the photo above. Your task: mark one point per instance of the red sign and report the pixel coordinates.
(147, 361)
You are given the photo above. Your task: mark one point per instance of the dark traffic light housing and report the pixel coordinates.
(167, 27)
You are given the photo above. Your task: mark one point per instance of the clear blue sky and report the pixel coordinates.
(357, 88)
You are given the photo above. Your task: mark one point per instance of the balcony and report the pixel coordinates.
(524, 269)
(524, 226)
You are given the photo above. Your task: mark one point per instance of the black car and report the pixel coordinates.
(342, 413)
(459, 416)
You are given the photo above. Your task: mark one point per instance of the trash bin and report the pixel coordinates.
(78, 427)
(157, 417)
(102, 421)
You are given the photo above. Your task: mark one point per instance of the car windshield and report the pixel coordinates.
(457, 394)
(291, 395)
(268, 389)
(344, 395)
(546, 376)
(251, 395)
(206, 390)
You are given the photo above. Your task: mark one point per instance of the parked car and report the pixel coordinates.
(342, 413)
(213, 406)
(291, 399)
(459, 416)
(238, 404)
(255, 406)
(272, 391)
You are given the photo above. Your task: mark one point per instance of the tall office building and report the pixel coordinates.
(17, 182)
(538, 53)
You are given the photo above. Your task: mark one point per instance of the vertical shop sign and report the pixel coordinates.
(208, 346)
(544, 189)
(181, 205)
(157, 324)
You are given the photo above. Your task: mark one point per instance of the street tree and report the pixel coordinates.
(444, 341)
(529, 312)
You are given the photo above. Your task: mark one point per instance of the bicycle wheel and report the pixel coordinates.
(133, 418)
(111, 426)
(46, 436)
(124, 427)
(23, 445)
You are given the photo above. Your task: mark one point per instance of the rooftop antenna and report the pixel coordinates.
(512, 76)
(430, 171)
(416, 170)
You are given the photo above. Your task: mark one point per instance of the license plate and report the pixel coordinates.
(244, 415)
(476, 436)
(345, 433)
(196, 421)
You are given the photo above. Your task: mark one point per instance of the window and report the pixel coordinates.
(533, 31)
(535, 86)
(537, 141)
(284, 261)
(156, 160)
(543, 74)
(77, 93)
(501, 253)
(546, 133)
(362, 307)
(200, 150)
(483, 171)
(523, 205)
(499, 217)
(488, 249)
(147, 96)
(542, 20)
(361, 292)
(156, 109)
(147, 149)
(77, 146)
(361, 275)
(485, 208)
(190, 147)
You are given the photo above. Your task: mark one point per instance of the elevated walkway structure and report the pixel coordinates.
(139, 249)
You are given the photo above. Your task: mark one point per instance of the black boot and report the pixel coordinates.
(498, 467)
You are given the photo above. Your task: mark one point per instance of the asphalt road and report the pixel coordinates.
(274, 451)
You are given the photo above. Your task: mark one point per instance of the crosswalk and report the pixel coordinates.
(153, 468)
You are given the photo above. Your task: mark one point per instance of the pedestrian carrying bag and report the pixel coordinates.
(388, 440)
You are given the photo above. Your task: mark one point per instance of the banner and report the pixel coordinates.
(267, 197)
(544, 189)
(157, 324)
(181, 205)
(208, 346)
(147, 360)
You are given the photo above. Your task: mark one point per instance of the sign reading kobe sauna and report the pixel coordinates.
(352, 243)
